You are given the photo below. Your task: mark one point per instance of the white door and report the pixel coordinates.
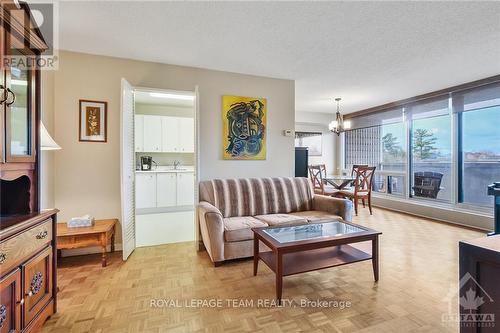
(185, 188)
(139, 133)
(166, 189)
(186, 135)
(127, 168)
(169, 134)
(145, 190)
(152, 134)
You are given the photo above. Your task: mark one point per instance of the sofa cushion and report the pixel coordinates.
(281, 219)
(240, 228)
(257, 196)
(316, 216)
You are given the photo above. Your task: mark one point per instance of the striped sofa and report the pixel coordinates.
(229, 208)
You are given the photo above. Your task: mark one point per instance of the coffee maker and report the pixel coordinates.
(146, 163)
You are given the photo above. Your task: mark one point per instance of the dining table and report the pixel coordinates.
(339, 181)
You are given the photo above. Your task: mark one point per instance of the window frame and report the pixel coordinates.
(455, 109)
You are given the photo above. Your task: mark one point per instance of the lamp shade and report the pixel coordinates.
(46, 141)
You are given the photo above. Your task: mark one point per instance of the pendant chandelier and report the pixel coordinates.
(338, 125)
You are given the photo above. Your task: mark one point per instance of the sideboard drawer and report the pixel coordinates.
(22, 246)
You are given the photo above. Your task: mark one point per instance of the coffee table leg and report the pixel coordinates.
(255, 254)
(279, 276)
(375, 257)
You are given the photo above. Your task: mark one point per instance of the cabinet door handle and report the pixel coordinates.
(5, 94)
(3, 257)
(21, 302)
(42, 234)
(13, 97)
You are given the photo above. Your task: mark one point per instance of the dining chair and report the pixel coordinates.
(362, 188)
(317, 172)
(355, 167)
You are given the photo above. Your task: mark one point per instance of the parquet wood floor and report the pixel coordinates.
(419, 270)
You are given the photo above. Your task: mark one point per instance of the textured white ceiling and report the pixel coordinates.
(368, 53)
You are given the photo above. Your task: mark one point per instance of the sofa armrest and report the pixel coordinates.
(212, 230)
(337, 206)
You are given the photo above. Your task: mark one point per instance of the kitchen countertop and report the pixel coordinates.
(162, 168)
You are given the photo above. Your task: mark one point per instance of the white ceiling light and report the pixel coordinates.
(172, 96)
(339, 125)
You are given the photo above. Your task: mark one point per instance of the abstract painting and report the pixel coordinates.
(93, 121)
(244, 128)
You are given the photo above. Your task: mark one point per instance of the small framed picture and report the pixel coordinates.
(93, 121)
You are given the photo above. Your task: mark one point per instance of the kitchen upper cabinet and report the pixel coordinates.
(139, 132)
(186, 135)
(165, 134)
(152, 133)
(185, 188)
(166, 189)
(145, 190)
(169, 134)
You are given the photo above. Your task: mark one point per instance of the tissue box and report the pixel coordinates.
(82, 221)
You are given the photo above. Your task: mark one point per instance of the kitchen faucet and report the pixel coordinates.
(176, 164)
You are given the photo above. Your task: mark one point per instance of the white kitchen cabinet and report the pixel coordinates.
(185, 188)
(152, 133)
(145, 190)
(139, 132)
(170, 134)
(166, 189)
(186, 135)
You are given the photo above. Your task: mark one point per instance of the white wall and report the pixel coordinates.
(318, 122)
(87, 175)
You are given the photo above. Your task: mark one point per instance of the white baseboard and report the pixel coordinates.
(88, 250)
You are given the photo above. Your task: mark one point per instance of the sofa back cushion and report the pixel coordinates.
(257, 196)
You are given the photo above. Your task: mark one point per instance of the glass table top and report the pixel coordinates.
(311, 231)
(339, 177)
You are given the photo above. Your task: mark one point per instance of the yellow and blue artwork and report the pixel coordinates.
(244, 133)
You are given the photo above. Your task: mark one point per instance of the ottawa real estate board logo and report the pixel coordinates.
(471, 298)
(33, 40)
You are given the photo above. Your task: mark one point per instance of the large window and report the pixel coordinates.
(431, 159)
(479, 119)
(445, 149)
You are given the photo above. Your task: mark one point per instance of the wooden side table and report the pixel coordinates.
(97, 235)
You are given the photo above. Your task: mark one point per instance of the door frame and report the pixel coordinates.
(196, 117)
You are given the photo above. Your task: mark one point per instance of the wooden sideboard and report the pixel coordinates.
(27, 235)
(28, 276)
(479, 285)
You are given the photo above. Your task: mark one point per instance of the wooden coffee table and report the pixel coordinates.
(304, 248)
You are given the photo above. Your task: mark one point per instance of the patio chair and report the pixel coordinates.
(427, 184)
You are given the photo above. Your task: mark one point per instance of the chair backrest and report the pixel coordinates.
(364, 179)
(355, 167)
(427, 184)
(316, 173)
